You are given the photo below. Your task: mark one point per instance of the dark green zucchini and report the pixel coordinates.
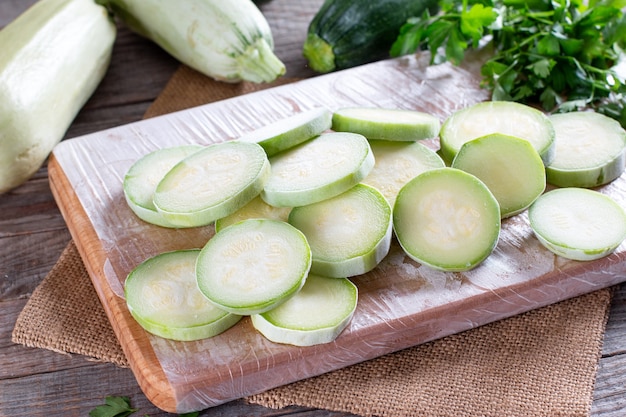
(347, 33)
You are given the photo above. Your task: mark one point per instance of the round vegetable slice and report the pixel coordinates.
(292, 131)
(506, 117)
(397, 163)
(578, 223)
(253, 266)
(162, 295)
(386, 124)
(255, 209)
(318, 169)
(589, 150)
(349, 234)
(143, 176)
(509, 166)
(317, 314)
(447, 219)
(212, 183)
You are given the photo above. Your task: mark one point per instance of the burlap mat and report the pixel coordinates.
(542, 363)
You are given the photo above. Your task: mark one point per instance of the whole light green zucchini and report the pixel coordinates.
(53, 56)
(347, 33)
(229, 40)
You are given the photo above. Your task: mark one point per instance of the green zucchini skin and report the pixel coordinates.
(347, 33)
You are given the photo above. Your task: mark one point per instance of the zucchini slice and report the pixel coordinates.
(289, 132)
(509, 166)
(318, 169)
(255, 209)
(506, 117)
(397, 163)
(162, 295)
(144, 175)
(252, 266)
(386, 124)
(212, 183)
(589, 150)
(317, 314)
(447, 219)
(349, 234)
(578, 223)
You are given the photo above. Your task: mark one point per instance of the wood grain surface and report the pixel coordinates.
(33, 233)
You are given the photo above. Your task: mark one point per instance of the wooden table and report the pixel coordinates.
(37, 382)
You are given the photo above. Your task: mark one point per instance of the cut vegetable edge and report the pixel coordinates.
(156, 299)
(386, 124)
(590, 150)
(253, 265)
(317, 314)
(189, 196)
(142, 178)
(447, 219)
(332, 217)
(506, 117)
(578, 223)
(291, 131)
(509, 166)
(318, 169)
(398, 162)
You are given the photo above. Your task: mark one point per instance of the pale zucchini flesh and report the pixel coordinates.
(397, 163)
(291, 131)
(377, 123)
(447, 219)
(590, 150)
(53, 57)
(509, 166)
(212, 183)
(505, 117)
(578, 223)
(348, 234)
(142, 178)
(229, 41)
(255, 209)
(317, 314)
(253, 266)
(318, 169)
(162, 295)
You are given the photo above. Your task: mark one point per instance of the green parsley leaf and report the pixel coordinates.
(113, 407)
(560, 54)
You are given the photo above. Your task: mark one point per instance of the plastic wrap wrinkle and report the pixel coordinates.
(401, 303)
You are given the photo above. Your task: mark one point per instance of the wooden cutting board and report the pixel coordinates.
(401, 303)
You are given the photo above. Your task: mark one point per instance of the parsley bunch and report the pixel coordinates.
(563, 55)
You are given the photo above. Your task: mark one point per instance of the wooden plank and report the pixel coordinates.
(610, 390)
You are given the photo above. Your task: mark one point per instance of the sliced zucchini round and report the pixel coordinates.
(317, 314)
(255, 209)
(447, 219)
(386, 124)
(212, 183)
(506, 117)
(578, 223)
(144, 175)
(289, 132)
(252, 266)
(318, 169)
(397, 163)
(509, 166)
(589, 150)
(349, 234)
(162, 295)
